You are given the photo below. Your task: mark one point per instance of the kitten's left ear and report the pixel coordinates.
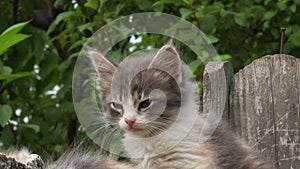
(104, 67)
(167, 59)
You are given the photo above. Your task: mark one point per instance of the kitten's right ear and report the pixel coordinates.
(167, 59)
(104, 68)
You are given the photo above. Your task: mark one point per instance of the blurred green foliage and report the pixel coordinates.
(36, 65)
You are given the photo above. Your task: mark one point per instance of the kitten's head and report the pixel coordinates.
(141, 94)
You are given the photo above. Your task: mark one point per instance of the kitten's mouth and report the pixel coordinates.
(134, 129)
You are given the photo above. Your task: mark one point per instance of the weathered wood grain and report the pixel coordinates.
(216, 80)
(264, 107)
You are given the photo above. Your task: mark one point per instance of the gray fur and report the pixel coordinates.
(232, 154)
(79, 159)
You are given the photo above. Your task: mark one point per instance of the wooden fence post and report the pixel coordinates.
(265, 107)
(216, 81)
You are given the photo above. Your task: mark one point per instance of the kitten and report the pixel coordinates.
(151, 97)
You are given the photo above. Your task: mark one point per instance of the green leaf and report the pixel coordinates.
(74, 55)
(39, 46)
(34, 127)
(212, 39)
(282, 4)
(12, 41)
(5, 114)
(161, 2)
(269, 15)
(240, 19)
(294, 8)
(11, 77)
(59, 148)
(199, 13)
(59, 18)
(77, 44)
(7, 70)
(57, 3)
(185, 12)
(88, 26)
(200, 87)
(14, 29)
(295, 39)
(145, 6)
(209, 23)
(94, 4)
(116, 55)
(7, 136)
(47, 65)
(66, 107)
(211, 9)
(225, 57)
(194, 65)
(158, 8)
(10, 37)
(187, 2)
(103, 2)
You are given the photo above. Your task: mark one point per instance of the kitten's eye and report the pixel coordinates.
(116, 106)
(144, 105)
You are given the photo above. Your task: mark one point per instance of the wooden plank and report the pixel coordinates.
(286, 96)
(251, 106)
(216, 80)
(264, 107)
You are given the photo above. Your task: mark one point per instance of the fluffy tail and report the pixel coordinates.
(83, 159)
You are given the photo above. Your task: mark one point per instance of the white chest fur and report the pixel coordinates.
(170, 152)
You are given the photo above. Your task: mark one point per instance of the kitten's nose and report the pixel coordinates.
(129, 122)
